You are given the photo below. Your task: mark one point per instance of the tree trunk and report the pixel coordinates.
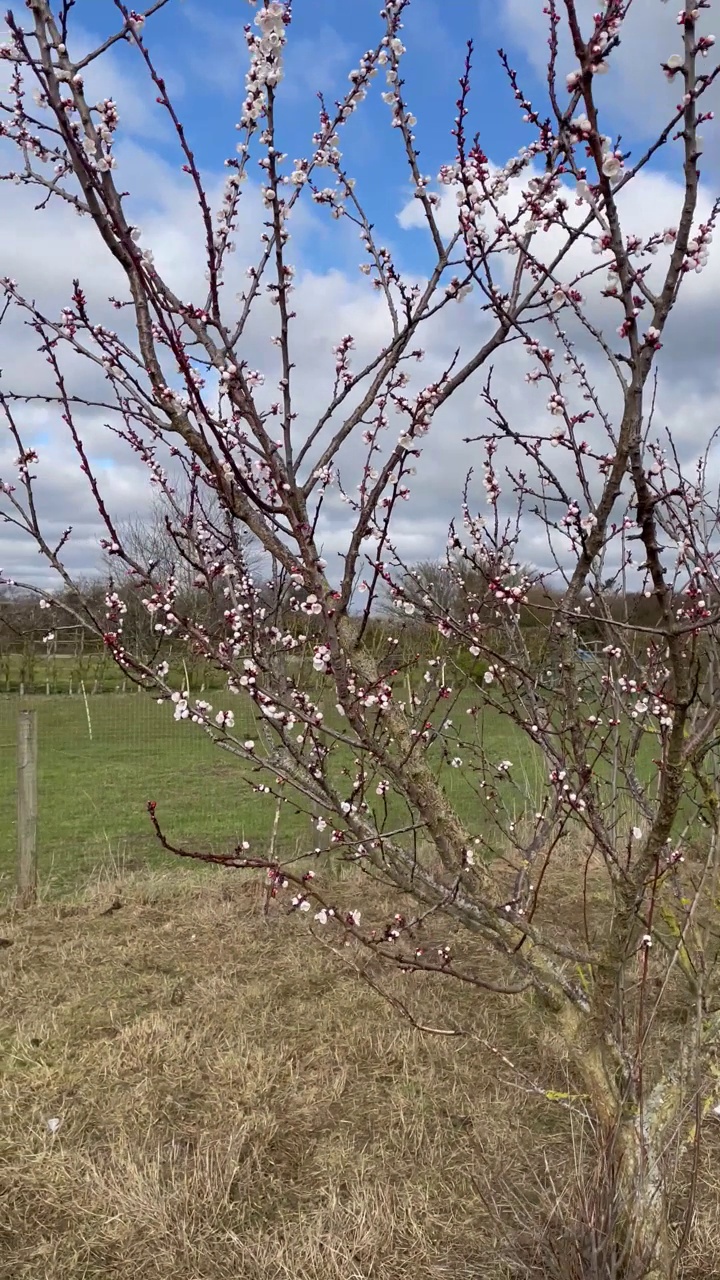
(640, 1190)
(623, 1210)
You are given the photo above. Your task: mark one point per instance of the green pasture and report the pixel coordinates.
(102, 758)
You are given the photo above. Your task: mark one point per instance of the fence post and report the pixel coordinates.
(27, 808)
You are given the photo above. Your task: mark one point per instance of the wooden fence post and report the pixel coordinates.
(27, 808)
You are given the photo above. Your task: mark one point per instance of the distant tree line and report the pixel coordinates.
(428, 593)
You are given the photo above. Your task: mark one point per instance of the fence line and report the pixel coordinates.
(99, 761)
(27, 808)
(76, 776)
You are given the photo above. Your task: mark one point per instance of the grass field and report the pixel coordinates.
(95, 779)
(93, 790)
(233, 1102)
(230, 1100)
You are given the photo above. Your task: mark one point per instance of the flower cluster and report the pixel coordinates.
(266, 59)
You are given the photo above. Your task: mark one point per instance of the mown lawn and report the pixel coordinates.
(101, 758)
(95, 778)
(94, 781)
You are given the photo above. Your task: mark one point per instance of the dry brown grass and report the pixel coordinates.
(235, 1103)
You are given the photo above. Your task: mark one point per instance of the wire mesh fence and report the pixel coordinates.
(100, 759)
(71, 660)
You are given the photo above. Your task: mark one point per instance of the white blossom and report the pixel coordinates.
(612, 166)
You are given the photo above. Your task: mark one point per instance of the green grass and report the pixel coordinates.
(94, 782)
(93, 789)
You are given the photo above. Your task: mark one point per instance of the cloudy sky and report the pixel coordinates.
(198, 46)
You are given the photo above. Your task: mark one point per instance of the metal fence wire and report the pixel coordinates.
(100, 759)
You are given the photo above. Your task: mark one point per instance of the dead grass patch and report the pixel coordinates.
(234, 1103)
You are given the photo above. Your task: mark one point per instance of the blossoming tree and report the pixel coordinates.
(623, 745)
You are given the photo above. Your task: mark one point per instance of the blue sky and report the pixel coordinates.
(199, 46)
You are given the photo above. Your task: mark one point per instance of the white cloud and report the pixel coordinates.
(47, 250)
(651, 202)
